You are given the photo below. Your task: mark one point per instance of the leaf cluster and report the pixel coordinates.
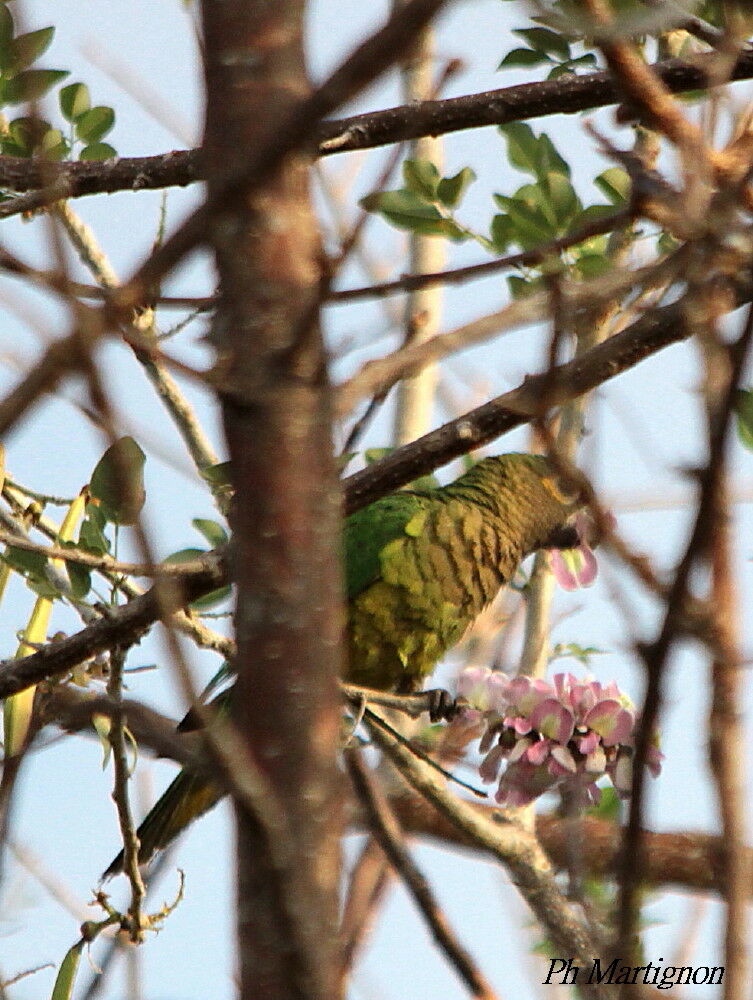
(23, 82)
(544, 209)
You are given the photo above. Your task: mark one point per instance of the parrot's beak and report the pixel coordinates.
(564, 537)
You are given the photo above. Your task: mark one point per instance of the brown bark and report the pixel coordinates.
(276, 417)
(522, 102)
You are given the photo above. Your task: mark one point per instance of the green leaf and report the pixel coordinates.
(407, 210)
(615, 184)
(214, 533)
(421, 177)
(98, 151)
(521, 288)
(532, 154)
(591, 213)
(219, 475)
(502, 232)
(549, 159)
(10, 148)
(184, 556)
(74, 101)
(522, 147)
(54, 145)
(6, 37)
(372, 455)
(212, 599)
(450, 190)
(25, 49)
(593, 265)
(226, 673)
(33, 567)
(209, 600)
(66, 977)
(103, 727)
(522, 59)
(80, 578)
(744, 412)
(94, 124)
(569, 66)
(667, 243)
(563, 198)
(28, 564)
(28, 133)
(91, 535)
(31, 85)
(537, 198)
(545, 40)
(118, 481)
(530, 225)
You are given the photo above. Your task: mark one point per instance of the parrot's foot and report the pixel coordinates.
(441, 705)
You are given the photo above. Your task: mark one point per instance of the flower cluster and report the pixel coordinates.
(568, 733)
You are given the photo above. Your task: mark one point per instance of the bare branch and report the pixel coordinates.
(655, 330)
(379, 128)
(122, 625)
(387, 832)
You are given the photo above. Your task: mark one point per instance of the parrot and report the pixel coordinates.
(420, 565)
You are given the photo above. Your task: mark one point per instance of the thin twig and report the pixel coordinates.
(50, 182)
(653, 331)
(116, 736)
(673, 625)
(104, 563)
(459, 275)
(387, 832)
(369, 879)
(381, 374)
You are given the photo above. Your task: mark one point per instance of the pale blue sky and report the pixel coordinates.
(643, 430)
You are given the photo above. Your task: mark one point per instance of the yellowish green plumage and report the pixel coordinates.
(420, 565)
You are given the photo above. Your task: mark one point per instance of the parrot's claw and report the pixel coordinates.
(441, 705)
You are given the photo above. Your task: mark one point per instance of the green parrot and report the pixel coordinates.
(420, 565)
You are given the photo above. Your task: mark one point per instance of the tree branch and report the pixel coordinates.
(655, 330)
(568, 94)
(387, 831)
(122, 625)
(687, 860)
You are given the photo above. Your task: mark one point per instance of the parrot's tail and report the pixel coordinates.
(188, 797)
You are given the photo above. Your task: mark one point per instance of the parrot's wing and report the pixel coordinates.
(369, 530)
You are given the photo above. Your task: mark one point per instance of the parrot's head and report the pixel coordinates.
(553, 506)
(571, 541)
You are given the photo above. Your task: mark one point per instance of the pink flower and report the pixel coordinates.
(568, 733)
(551, 718)
(611, 721)
(577, 567)
(573, 568)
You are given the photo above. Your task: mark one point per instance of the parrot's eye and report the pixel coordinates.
(564, 490)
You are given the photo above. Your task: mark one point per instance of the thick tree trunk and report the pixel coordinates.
(286, 562)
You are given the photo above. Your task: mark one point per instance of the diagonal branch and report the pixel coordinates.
(511, 844)
(122, 625)
(648, 335)
(386, 829)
